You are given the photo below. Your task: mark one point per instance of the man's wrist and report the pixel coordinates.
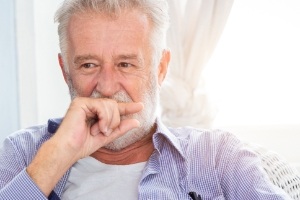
(49, 165)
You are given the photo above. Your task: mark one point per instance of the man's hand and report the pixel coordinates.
(88, 125)
(93, 123)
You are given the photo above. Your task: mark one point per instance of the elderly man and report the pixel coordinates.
(111, 143)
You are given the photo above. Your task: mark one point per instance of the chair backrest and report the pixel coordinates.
(280, 172)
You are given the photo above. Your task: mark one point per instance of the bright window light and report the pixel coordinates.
(254, 74)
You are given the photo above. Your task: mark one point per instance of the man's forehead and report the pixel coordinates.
(90, 28)
(94, 36)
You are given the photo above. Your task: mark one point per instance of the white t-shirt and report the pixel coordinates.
(90, 179)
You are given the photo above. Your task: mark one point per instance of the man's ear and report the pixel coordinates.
(163, 66)
(62, 67)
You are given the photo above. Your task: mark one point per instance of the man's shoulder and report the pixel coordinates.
(31, 137)
(33, 132)
(202, 135)
(204, 142)
(22, 145)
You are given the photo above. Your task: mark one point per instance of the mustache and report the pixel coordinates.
(120, 96)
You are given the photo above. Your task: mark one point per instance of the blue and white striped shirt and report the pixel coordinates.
(213, 164)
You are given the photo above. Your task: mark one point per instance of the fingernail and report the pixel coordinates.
(94, 133)
(104, 130)
(109, 131)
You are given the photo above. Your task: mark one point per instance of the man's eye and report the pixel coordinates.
(88, 65)
(124, 65)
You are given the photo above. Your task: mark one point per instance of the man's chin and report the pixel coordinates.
(129, 138)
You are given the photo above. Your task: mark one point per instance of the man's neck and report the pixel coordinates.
(139, 151)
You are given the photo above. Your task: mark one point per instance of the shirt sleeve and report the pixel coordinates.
(243, 175)
(15, 183)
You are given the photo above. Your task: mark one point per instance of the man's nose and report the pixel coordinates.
(108, 83)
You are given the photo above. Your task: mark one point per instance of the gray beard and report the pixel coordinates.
(146, 117)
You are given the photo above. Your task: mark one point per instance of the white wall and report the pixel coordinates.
(43, 93)
(9, 119)
(52, 91)
(26, 62)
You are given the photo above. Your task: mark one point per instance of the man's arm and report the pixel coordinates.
(88, 125)
(243, 176)
(15, 183)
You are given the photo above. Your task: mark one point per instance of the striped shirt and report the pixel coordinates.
(212, 164)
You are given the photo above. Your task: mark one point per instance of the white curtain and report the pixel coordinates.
(196, 26)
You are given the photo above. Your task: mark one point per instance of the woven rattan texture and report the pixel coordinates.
(280, 172)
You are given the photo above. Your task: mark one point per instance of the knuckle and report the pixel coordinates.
(77, 100)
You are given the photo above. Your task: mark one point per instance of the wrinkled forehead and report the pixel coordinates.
(96, 25)
(99, 33)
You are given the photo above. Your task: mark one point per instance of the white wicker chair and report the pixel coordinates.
(280, 172)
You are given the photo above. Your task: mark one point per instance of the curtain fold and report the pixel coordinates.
(195, 29)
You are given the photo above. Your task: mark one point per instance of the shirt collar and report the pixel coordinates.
(53, 125)
(162, 133)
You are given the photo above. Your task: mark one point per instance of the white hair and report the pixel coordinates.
(155, 10)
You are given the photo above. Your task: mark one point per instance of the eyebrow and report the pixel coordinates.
(130, 57)
(79, 59)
